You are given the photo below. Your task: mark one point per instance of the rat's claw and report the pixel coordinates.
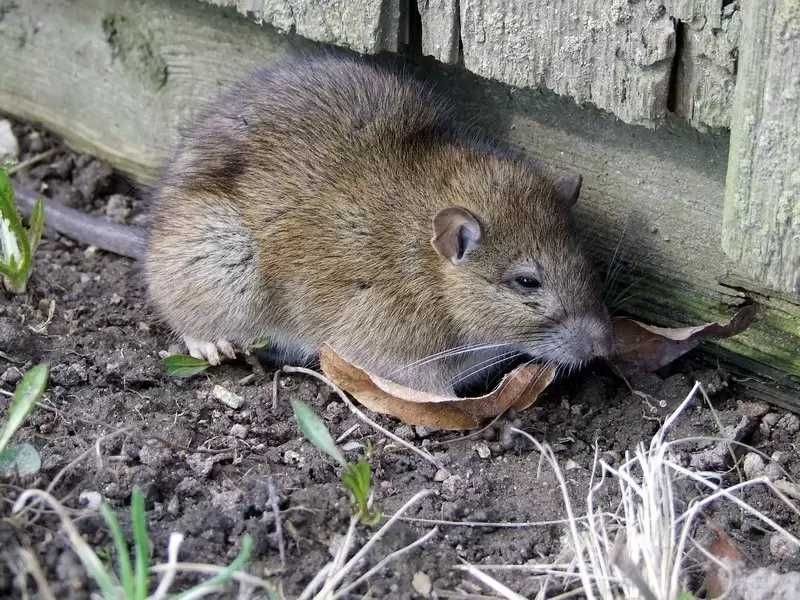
(226, 348)
(203, 350)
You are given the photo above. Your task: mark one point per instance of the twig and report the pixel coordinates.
(175, 541)
(491, 582)
(33, 567)
(361, 415)
(275, 378)
(205, 569)
(385, 561)
(334, 580)
(31, 161)
(276, 511)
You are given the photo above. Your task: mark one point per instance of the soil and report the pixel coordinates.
(204, 467)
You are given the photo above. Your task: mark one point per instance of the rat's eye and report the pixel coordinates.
(527, 282)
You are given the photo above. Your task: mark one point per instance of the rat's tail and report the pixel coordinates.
(125, 240)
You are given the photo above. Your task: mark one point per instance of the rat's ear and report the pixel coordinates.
(567, 189)
(456, 232)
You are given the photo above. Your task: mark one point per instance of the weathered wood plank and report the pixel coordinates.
(104, 89)
(366, 26)
(761, 231)
(116, 78)
(441, 29)
(615, 55)
(705, 76)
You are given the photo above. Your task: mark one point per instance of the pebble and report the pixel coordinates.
(781, 457)
(752, 409)
(773, 471)
(422, 431)
(118, 208)
(239, 431)
(91, 500)
(404, 432)
(227, 397)
(9, 146)
(483, 450)
(789, 423)
(753, 465)
(770, 419)
(11, 375)
(781, 547)
(290, 457)
(422, 584)
(441, 475)
(453, 484)
(571, 465)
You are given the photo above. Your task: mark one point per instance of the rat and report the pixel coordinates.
(334, 201)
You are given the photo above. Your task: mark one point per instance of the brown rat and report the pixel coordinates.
(334, 201)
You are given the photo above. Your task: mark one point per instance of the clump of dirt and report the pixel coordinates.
(204, 467)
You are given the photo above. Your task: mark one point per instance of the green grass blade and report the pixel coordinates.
(315, 431)
(180, 365)
(223, 576)
(123, 556)
(141, 543)
(28, 391)
(36, 226)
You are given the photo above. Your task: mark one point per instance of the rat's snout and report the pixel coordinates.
(586, 337)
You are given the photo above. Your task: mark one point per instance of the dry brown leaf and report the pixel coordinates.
(725, 551)
(519, 389)
(643, 347)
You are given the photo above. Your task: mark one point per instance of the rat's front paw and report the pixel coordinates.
(209, 351)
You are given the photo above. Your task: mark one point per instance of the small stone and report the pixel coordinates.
(9, 146)
(227, 397)
(453, 484)
(404, 432)
(115, 299)
(90, 251)
(118, 208)
(753, 465)
(11, 375)
(239, 431)
(155, 454)
(781, 457)
(422, 584)
(789, 423)
(291, 457)
(93, 179)
(770, 419)
(441, 475)
(773, 471)
(483, 450)
(571, 465)
(422, 431)
(143, 327)
(90, 500)
(781, 547)
(163, 354)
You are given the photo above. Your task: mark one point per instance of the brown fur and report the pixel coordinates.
(300, 209)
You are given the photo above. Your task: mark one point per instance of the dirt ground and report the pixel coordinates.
(204, 467)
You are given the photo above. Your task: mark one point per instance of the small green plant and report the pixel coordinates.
(180, 365)
(356, 477)
(134, 578)
(22, 458)
(17, 245)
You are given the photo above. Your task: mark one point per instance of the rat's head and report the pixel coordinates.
(514, 273)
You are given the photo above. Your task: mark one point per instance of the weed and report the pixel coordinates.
(356, 477)
(17, 245)
(180, 365)
(22, 458)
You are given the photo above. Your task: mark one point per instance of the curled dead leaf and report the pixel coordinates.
(642, 347)
(725, 557)
(518, 389)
